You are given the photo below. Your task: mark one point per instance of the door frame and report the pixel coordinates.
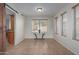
(3, 28)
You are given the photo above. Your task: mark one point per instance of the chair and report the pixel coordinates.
(35, 35)
(43, 34)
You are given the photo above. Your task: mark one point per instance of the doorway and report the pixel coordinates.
(9, 28)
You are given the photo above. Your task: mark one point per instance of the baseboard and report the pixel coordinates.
(38, 38)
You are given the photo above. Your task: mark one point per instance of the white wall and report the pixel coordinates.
(68, 41)
(19, 29)
(28, 26)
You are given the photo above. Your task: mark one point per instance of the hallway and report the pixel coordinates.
(38, 47)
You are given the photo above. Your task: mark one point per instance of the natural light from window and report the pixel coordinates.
(39, 24)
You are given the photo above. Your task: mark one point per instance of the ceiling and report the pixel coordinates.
(50, 9)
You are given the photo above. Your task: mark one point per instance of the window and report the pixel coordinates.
(39, 24)
(56, 25)
(64, 24)
(43, 25)
(35, 26)
(76, 22)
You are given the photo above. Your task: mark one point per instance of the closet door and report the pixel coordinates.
(2, 27)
